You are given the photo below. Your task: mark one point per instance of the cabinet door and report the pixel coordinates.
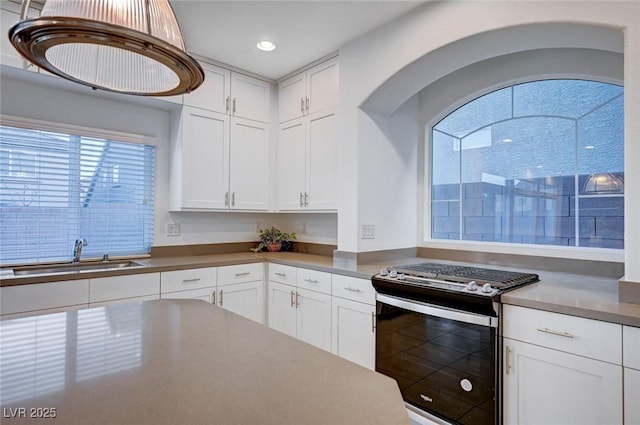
(544, 386)
(249, 165)
(322, 162)
(314, 318)
(291, 98)
(281, 310)
(631, 391)
(291, 165)
(250, 98)
(126, 286)
(205, 159)
(322, 86)
(214, 94)
(245, 299)
(44, 296)
(353, 335)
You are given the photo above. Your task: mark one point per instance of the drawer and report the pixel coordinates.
(205, 294)
(353, 288)
(282, 274)
(41, 296)
(314, 280)
(229, 275)
(576, 335)
(631, 344)
(185, 280)
(120, 287)
(125, 301)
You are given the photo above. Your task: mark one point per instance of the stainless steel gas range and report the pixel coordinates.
(437, 336)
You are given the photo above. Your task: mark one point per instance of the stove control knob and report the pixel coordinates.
(472, 286)
(400, 276)
(393, 273)
(486, 288)
(384, 272)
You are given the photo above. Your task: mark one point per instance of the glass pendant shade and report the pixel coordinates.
(125, 46)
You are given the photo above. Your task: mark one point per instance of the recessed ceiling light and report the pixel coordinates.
(507, 140)
(589, 147)
(266, 45)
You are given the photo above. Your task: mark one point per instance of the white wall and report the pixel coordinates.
(49, 98)
(440, 38)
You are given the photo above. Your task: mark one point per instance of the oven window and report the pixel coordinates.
(445, 367)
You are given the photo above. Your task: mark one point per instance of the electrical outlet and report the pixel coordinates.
(368, 231)
(173, 229)
(301, 228)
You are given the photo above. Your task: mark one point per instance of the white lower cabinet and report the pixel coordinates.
(126, 288)
(353, 319)
(236, 288)
(631, 363)
(43, 298)
(295, 309)
(554, 373)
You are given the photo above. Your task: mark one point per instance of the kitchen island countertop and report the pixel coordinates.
(180, 361)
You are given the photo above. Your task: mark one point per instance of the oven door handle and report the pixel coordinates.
(438, 311)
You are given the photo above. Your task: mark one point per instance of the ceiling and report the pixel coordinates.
(303, 30)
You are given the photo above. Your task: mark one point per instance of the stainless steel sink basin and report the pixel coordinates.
(93, 266)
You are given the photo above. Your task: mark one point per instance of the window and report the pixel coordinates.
(56, 188)
(534, 163)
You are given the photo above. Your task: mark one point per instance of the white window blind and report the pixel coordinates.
(56, 188)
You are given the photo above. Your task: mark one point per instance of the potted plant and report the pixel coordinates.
(274, 240)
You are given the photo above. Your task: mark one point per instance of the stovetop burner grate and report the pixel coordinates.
(499, 279)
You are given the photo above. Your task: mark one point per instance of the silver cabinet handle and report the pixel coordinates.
(280, 274)
(306, 199)
(197, 279)
(243, 274)
(307, 104)
(349, 288)
(213, 297)
(552, 332)
(311, 280)
(226, 199)
(507, 360)
(227, 104)
(221, 304)
(302, 105)
(373, 321)
(233, 199)
(292, 298)
(297, 299)
(301, 203)
(234, 106)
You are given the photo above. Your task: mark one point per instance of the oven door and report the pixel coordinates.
(444, 360)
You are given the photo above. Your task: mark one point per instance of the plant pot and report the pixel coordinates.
(274, 246)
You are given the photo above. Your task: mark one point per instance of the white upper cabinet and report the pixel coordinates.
(307, 157)
(250, 98)
(214, 93)
(231, 93)
(309, 92)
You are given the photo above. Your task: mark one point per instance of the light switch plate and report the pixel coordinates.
(173, 229)
(368, 231)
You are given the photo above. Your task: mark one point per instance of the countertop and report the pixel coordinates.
(578, 295)
(180, 361)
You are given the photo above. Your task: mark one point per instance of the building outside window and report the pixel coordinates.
(56, 187)
(534, 163)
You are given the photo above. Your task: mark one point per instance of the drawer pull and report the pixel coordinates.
(243, 274)
(280, 274)
(197, 279)
(221, 302)
(311, 280)
(373, 322)
(552, 332)
(349, 288)
(507, 362)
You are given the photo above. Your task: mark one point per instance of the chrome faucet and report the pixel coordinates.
(77, 249)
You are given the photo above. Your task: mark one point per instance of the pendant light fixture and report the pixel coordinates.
(125, 46)
(603, 183)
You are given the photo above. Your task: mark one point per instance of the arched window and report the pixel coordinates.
(535, 163)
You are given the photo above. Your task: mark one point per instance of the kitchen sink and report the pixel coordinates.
(89, 266)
